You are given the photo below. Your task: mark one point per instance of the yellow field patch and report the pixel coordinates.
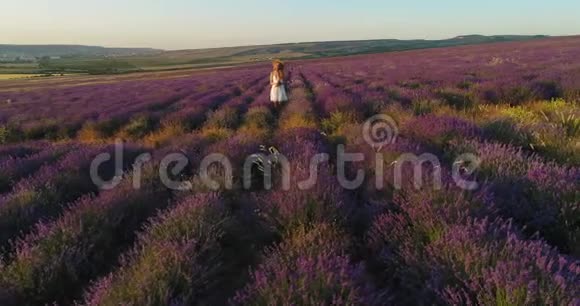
(17, 76)
(35, 76)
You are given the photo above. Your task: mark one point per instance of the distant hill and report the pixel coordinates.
(339, 48)
(333, 48)
(101, 60)
(246, 54)
(70, 50)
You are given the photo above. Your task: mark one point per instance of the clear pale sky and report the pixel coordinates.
(181, 24)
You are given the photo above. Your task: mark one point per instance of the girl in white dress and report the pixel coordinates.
(278, 91)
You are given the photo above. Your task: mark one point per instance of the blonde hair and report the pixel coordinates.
(278, 69)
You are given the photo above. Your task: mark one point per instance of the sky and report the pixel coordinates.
(186, 24)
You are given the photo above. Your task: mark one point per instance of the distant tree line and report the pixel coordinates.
(91, 66)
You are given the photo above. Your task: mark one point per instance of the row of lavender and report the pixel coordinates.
(21, 160)
(67, 112)
(456, 247)
(500, 73)
(295, 211)
(88, 235)
(513, 241)
(96, 229)
(460, 77)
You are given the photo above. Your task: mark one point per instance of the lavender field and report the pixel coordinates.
(504, 117)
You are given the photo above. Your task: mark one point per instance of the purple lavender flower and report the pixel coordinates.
(438, 130)
(309, 268)
(17, 168)
(491, 263)
(174, 261)
(64, 255)
(542, 196)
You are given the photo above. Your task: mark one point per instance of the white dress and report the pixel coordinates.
(278, 93)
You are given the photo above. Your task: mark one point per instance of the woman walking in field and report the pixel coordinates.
(278, 92)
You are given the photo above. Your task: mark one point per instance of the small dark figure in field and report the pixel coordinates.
(278, 91)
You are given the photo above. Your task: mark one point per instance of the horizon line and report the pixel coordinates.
(289, 43)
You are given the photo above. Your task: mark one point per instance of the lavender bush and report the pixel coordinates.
(513, 240)
(175, 260)
(58, 258)
(309, 268)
